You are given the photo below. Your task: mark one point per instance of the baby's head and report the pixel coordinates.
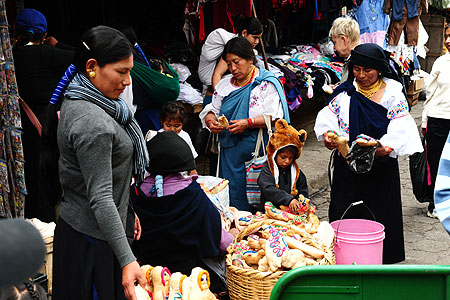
(172, 116)
(286, 156)
(345, 35)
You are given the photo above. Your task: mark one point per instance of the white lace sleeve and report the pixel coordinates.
(214, 107)
(270, 101)
(329, 118)
(402, 133)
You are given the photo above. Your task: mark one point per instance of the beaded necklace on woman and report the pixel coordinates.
(246, 80)
(369, 91)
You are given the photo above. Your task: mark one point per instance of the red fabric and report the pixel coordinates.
(230, 19)
(191, 5)
(222, 16)
(201, 31)
(241, 7)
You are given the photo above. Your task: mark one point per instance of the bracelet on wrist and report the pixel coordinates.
(331, 131)
(250, 123)
(207, 122)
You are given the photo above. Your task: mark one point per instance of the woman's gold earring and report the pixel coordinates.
(92, 74)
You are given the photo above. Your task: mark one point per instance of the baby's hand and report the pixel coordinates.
(294, 206)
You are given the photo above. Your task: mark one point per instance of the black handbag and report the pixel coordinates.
(419, 175)
(360, 158)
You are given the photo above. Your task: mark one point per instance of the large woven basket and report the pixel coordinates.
(249, 284)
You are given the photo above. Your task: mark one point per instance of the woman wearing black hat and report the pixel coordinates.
(181, 228)
(371, 102)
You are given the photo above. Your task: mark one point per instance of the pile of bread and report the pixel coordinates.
(162, 285)
(282, 240)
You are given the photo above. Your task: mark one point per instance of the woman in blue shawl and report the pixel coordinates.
(243, 97)
(371, 102)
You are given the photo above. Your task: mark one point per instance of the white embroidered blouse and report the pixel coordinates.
(402, 133)
(264, 99)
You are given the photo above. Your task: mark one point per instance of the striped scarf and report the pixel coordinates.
(81, 88)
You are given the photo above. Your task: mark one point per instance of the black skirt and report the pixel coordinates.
(380, 190)
(84, 267)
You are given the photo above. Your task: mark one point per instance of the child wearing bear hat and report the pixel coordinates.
(281, 181)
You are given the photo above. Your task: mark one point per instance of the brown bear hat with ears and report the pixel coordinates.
(285, 135)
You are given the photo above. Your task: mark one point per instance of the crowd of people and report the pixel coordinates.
(129, 178)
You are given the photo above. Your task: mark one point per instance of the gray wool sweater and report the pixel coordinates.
(95, 165)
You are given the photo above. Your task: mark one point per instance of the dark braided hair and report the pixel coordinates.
(24, 37)
(26, 290)
(31, 290)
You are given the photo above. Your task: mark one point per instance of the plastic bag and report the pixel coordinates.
(221, 199)
(419, 176)
(360, 158)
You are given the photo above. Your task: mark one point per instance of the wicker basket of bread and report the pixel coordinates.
(273, 243)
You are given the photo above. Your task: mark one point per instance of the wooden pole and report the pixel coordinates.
(266, 65)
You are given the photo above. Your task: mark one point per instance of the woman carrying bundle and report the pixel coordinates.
(243, 97)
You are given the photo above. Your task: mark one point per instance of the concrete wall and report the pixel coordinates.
(434, 25)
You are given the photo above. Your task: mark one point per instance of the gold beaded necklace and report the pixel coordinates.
(371, 90)
(246, 79)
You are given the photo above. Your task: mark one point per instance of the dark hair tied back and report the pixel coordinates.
(252, 25)
(24, 37)
(104, 44)
(239, 46)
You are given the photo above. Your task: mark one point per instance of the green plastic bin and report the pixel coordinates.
(380, 282)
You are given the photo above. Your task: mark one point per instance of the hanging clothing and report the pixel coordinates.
(373, 22)
(349, 114)
(398, 7)
(263, 96)
(405, 15)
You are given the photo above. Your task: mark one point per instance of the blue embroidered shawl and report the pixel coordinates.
(366, 116)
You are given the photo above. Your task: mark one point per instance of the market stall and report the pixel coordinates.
(12, 177)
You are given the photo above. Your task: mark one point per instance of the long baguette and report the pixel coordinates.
(314, 252)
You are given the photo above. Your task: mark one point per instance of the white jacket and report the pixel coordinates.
(437, 104)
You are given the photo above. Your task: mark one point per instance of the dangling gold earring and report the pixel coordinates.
(92, 74)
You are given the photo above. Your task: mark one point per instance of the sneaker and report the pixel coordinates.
(432, 214)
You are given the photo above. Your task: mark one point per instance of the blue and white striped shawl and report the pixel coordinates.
(442, 187)
(81, 88)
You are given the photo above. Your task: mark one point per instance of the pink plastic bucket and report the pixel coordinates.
(358, 241)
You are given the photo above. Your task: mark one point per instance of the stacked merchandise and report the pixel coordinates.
(12, 178)
(304, 71)
(161, 284)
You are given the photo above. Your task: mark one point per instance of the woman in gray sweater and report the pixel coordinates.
(101, 147)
